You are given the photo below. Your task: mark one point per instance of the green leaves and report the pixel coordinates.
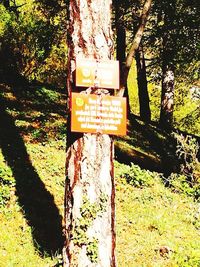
(137, 177)
(5, 18)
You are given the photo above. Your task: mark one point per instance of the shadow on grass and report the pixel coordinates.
(37, 203)
(151, 139)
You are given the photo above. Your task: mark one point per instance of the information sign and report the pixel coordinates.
(103, 74)
(98, 114)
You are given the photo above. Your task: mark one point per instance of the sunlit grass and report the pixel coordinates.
(147, 219)
(154, 217)
(16, 244)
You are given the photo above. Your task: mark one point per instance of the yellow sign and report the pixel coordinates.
(98, 114)
(103, 74)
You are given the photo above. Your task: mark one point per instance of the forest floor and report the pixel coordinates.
(157, 226)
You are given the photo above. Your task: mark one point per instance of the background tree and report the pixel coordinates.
(33, 42)
(89, 200)
(168, 66)
(127, 19)
(145, 112)
(172, 48)
(143, 96)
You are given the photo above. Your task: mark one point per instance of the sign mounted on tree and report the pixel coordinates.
(98, 114)
(101, 74)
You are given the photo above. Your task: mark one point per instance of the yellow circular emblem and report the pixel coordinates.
(79, 102)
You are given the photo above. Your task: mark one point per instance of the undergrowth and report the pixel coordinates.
(155, 225)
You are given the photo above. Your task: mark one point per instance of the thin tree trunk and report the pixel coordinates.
(89, 198)
(121, 47)
(145, 112)
(120, 35)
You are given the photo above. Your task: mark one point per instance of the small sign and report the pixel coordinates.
(103, 74)
(98, 114)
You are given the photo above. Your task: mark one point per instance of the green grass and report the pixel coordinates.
(17, 247)
(149, 216)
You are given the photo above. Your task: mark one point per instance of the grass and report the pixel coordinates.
(149, 219)
(18, 244)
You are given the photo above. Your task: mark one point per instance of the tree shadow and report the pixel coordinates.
(36, 202)
(152, 139)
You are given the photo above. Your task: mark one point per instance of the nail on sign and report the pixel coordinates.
(104, 114)
(103, 74)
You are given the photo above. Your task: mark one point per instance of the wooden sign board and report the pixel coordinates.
(103, 74)
(98, 114)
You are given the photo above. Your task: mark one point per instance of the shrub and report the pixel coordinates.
(187, 150)
(180, 184)
(188, 179)
(137, 177)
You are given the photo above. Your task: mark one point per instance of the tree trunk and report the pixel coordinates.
(145, 112)
(121, 49)
(134, 46)
(167, 99)
(89, 198)
(120, 36)
(6, 3)
(167, 95)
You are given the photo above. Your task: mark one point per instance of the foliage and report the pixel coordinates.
(180, 184)
(188, 179)
(187, 151)
(33, 43)
(183, 30)
(5, 20)
(137, 177)
(186, 109)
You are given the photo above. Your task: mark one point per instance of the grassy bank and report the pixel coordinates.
(156, 226)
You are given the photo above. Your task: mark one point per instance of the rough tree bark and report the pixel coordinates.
(89, 198)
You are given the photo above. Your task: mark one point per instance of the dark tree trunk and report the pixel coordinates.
(145, 112)
(169, 42)
(121, 48)
(89, 199)
(6, 3)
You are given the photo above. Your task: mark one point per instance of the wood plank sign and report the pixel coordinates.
(98, 114)
(104, 74)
